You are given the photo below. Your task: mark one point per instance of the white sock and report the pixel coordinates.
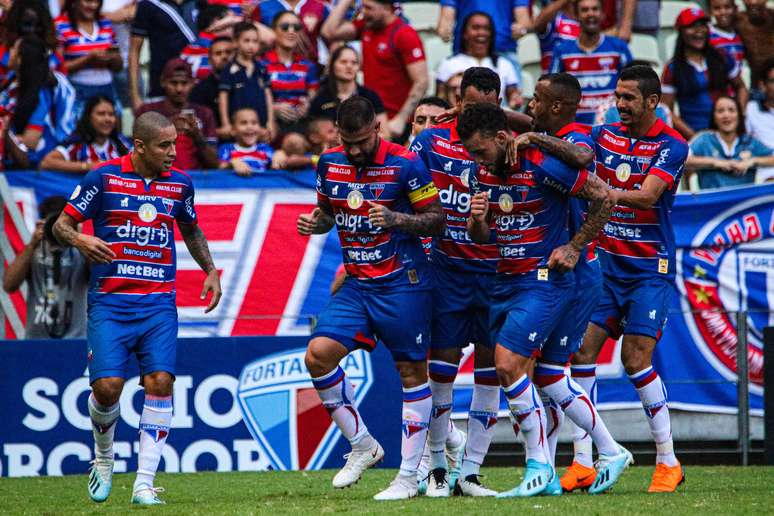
(586, 377)
(529, 416)
(442, 375)
(155, 422)
(576, 405)
(455, 437)
(417, 406)
(554, 420)
(654, 400)
(482, 419)
(337, 394)
(103, 425)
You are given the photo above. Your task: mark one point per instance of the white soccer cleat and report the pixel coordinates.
(402, 488)
(101, 478)
(357, 463)
(471, 486)
(423, 471)
(147, 495)
(438, 484)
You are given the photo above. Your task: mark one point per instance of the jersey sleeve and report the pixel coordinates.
(668, 164)
(667, 80)
(86, 199)
(322, 191)
(409, 46)
(226, 82)
(188, 214)
(419, 186)
(626, 56)
(583, 141)
(142, 19)
(420, 145)
(224, 152)
(312, 79)
(556, 65)
(700, 144)
(555, 173)
(759, 149)
(37, 119)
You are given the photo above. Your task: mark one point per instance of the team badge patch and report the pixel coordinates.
(354, 199)
(168, 205)
(623, 172)
(376, 189)
(147, 212)
(506, 203)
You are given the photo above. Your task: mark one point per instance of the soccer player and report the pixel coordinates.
(134, 202)
(524, 203)
(595, 58)
(642, 159)
(381, 199)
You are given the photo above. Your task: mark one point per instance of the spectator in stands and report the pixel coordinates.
(313, 14)
(697, 74)
(340, 84)
(90, 50)
(723, 35)
(248, 154)
(596, 57)
(322, 135)
(425, 113)
(40, 101)
(303, 153)
(394, 64)
(197, 53)
(121, 13)
(168, 25)
(243, 82)
(725, 155)
(756, 28)
(556, 21)
(96, 139)
(205, 92)
(292, 78)
(760, 114)
(57, 280)
(196, 143)
(453, 89)
(28, 18)
(478, 50)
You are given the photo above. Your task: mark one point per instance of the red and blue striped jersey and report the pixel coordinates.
(729, 44)
(197, 54)
(136, 219)
(397, 179)
(451, 168)
(76, 43)
(637, 244)
(257, 156)
(596, 70)
(235, 6)
(561, 27)
(290, 82)
(76, 150)
(528, 209)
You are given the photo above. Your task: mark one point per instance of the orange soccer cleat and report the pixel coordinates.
(577, 476)
(666, 478)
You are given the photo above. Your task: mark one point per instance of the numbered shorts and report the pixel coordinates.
(460, 309)
(114, 335)
(357, 317)
(524, 313)
(634, 308)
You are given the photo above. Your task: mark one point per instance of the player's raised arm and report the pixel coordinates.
(574, 155)
(195, 241)
(478, 222)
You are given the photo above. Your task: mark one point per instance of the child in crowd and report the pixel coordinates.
(723, 35)
(303, 151)
(248, 154)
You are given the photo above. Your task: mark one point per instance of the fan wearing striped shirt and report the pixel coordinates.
(249, 153)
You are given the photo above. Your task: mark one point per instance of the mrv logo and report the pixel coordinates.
(283, 412)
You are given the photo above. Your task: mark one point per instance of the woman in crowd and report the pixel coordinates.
(725, 155)
(697, 75)
(96, 139)
(341, 84)
(478, 49)
(90, 50)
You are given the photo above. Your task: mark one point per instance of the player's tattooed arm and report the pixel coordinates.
(428, 220)
(316, 223)
(93, 248)
(601, 203)
(478, 222)
(195, 241)
(574, 155)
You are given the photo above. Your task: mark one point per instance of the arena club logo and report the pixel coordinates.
(283, 412)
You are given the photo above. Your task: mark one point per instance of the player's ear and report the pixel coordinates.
(139, 146)
(652, 101)
(501, 138)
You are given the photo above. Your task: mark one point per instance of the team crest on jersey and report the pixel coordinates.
(623, 172)
(283, 412)
(465, 178)
(355, 199)
(506, 203)
(147, 212)
(718, 278)
(376, 189)
(168, 205)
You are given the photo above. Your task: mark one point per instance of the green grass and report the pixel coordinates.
(712, 490)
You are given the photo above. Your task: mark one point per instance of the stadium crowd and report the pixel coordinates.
(255, 85)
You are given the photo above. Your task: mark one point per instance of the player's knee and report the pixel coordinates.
(158, 383)
(316, 359)
(107, 391)
(636, 355)
(584, 357)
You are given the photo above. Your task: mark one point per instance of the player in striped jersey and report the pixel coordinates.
(555, 22)
(134, 202)
(642, 159)
(381, 199)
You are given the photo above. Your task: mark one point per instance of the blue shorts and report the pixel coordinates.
(357, 316)
(114, 335)
(525, 312)
(634, 308)
(460, 309)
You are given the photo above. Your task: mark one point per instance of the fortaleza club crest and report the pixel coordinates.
(730, 267)
(283, 412)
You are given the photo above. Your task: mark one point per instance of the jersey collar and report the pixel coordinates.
(128, 167)
(381, 152)
(654, 130)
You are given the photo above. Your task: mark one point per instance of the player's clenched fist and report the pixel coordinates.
(380, 216)
(479, 206)
(307, 222)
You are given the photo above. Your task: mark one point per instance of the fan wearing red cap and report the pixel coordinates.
(698, 74)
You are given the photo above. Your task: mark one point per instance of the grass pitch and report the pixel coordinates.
(711, 490)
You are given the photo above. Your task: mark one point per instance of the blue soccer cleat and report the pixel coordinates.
(610, 470)
(147, 495)
(100, 478)
(537, 477)
(554, 487)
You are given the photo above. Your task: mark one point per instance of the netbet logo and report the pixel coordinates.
(351, 222)
(459, 201)
(144, 235)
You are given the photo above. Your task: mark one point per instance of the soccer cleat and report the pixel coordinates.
(536, 479)
(402, 488)
(100, 478)
(554, 487)
(577, 476)
(438, 484)
(471, 486)
(454, 457)
(147, 495)
(423, 471)
(666, 478)
(357, 463)
(610, 470)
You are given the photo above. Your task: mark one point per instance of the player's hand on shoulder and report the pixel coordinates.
(95, 249)
(564, 258)
(307, 222)
(479, 206)
(448, 115)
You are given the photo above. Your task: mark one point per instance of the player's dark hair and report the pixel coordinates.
(563, 86)
(209, 14)
(765, 69)
(147, 126)
(85, 132)
(276, 19)
(490, 51)
(482, 79)
(683, 71)
(51, 206)
(434, 101)
(740, 128)
(354, 114)
(243, 27)
(647, 79)
(487, 119)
